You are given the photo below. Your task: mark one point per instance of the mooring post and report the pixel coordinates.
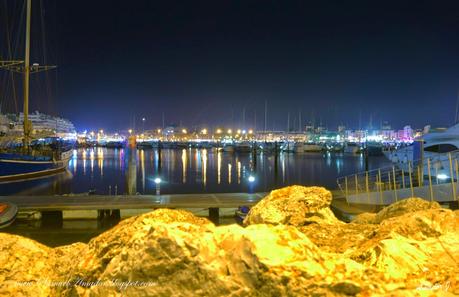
(214, 215)
(52, 218)
(430, 180)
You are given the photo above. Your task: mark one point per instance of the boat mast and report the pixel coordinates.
(27, 125)
(25, 69)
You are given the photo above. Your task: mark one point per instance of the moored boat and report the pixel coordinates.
(8, 213)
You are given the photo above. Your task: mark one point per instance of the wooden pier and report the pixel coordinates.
(107, 204)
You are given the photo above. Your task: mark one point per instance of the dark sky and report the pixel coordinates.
(202, 62)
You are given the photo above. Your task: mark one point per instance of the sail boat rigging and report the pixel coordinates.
(30, 162)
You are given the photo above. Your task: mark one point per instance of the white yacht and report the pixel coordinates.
(435, 145)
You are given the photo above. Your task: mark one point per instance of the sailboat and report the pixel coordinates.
(31, 160)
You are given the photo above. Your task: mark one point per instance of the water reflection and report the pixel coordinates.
(184, 165)
(192, 171)
(204, 167)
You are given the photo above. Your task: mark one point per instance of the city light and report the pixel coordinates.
(250, 131)
(184, 131)
(204, 131)
(130, 131)
(157, 180)
(442, 176)
(101, 131)
(219, 131)
(230, 131)
(251, 179)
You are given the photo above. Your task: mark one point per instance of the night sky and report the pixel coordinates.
(202, 62)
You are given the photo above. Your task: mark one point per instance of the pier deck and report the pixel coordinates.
(100, 202)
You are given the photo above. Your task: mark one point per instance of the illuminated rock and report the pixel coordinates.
(413, 251)
(294, 205)
(365, 218)
(404, 206)
(184, 259)
(399, 208)
(28, 268)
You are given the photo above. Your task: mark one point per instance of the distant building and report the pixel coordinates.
(385, 126)
(42, 124)
(309, 127)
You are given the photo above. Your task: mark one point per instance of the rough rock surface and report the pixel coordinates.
(173, 253)
(397, 209)
(294, 205)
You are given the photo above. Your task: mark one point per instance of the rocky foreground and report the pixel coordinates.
(292, 245)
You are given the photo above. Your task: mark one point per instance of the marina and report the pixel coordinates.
(281, 148)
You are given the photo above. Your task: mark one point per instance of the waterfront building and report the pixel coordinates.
(42, 125)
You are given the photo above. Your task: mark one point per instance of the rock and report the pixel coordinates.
(24, 265)
(296, 252)
(365, 218)
(102, 249)
(294, 205)
(403, 245)
(339, 238)
(404, 206)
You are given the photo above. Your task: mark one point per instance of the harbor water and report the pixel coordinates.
(175, 171)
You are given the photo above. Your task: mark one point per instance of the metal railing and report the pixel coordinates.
(433, 178)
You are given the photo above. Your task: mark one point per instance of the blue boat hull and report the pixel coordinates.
(10, 168)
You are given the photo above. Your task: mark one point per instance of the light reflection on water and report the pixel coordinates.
(133, 171)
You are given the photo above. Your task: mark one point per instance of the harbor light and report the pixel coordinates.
(238, 131)
(159, 131)
(250, 131)
(442, 176)
(230, 131)
(157, 180)
(184, 131)
(101, 131)
(130, 131)
(219, 131)
(204, 131)
(251, 179)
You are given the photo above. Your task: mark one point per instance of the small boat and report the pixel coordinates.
(115, 144)
(241, 213)
(8, 213)
(299, 147)
(374, 149)
(243, 147)
(352, 148)
(288, 147)
(227, 147)
(312, 147)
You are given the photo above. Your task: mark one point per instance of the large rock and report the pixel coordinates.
(294, 205)
(404, 206)
(28, 268)
(173, 253)
(184, 259)
(398, 208)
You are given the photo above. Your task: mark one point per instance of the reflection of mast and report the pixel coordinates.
(131, 176)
